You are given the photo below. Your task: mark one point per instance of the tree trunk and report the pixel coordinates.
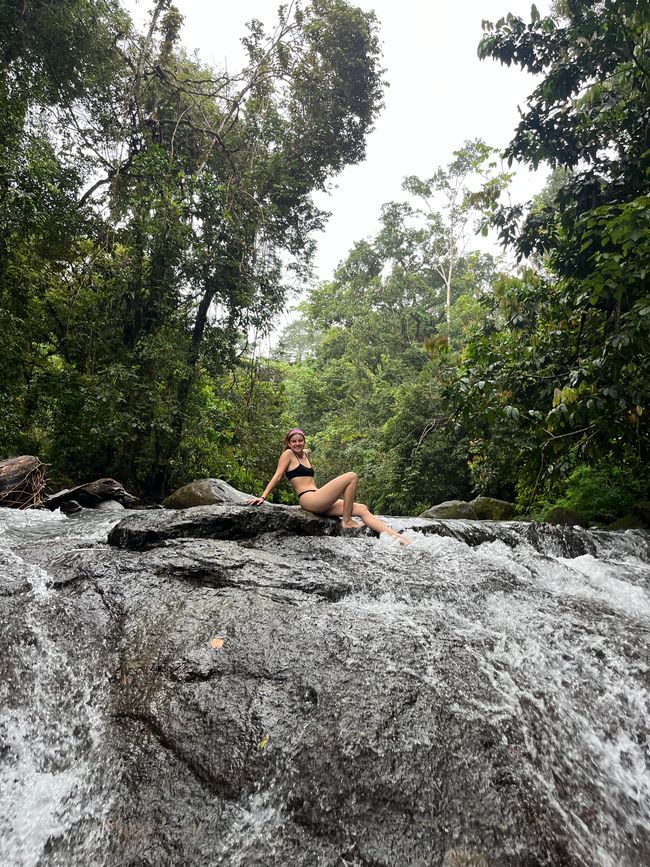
(22, 481)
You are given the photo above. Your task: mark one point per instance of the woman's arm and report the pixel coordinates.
(283, 463)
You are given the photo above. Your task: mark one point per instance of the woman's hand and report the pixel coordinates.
(256, 501)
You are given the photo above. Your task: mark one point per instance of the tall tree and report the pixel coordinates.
(191, 189)
(452, 200)
(581, 329)
(370, 390)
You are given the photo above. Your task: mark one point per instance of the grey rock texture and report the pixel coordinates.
(449, 509)
(479, 509)
(145, 529)
(270, 693)
(205, 492)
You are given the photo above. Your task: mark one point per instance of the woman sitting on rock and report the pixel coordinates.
(336, 498)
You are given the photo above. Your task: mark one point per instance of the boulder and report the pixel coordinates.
(449, 509)
(92, 494)
(146, 529)
(205, 492)
(110, 506)
(567, 517)
(491, 509)
(627, 522)
(71, 507)
(479, 509)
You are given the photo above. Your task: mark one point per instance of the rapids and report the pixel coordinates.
(479, 698)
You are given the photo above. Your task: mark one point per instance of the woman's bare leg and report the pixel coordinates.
(322, 500)
(360, 510)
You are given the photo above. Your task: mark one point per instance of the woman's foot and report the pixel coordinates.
(401, 539)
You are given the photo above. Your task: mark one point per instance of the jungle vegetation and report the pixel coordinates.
(155, 213)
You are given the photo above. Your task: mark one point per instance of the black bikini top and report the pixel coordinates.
(300, 470)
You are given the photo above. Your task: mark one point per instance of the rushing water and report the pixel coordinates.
(54, 780)
(548, 649)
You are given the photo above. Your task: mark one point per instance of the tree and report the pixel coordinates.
(191, 188)
(51, 55)
(450, 203)
(371, 389)
(579, 331)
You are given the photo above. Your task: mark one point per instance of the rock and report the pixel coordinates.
(285, 698)
(205, 492)
(110, 506)
(450, 509)
(145, 529)
(491, 509)
(70, 507)
(92, 494)
(560, 515)
(642, 510)
(627, 522)
(479, 509)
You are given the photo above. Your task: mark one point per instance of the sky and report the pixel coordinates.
(440, 95)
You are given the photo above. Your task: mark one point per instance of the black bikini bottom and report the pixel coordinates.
(310, 491)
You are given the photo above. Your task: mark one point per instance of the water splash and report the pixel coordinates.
(52, 795)
(498, 625)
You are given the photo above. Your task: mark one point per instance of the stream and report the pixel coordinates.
(481, 697)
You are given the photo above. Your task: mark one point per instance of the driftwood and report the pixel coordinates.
(92, 494)
(22, 481)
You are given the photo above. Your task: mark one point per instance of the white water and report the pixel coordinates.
(561, 654)
(53, 780)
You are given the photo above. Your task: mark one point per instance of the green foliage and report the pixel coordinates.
(370, 387)
(234, 428)
(150, 209)
(604, 492)
(559, 375)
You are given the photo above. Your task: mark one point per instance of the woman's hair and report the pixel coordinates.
(294, 430)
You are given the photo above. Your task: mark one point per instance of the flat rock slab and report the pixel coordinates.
(149, 529)
(291, 696)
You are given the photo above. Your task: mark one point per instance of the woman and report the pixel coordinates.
(335, 499)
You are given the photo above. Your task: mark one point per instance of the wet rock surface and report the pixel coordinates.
(222, 522)
(269, 693)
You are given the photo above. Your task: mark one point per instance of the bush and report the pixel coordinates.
(602, 493)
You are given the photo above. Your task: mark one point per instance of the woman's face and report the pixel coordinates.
(297, 443)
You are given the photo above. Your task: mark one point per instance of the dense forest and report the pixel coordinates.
(155, 213)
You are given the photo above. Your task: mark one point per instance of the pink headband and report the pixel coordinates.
(295, 430)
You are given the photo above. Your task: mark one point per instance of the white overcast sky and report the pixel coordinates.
(440, 94)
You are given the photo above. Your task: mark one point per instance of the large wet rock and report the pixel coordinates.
(249, 689)
(205, 492)
(479, 509)
(144, 529)
(92, 495)
(246, 523)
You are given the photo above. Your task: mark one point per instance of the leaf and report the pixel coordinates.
(216, 643)
(263, 741)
